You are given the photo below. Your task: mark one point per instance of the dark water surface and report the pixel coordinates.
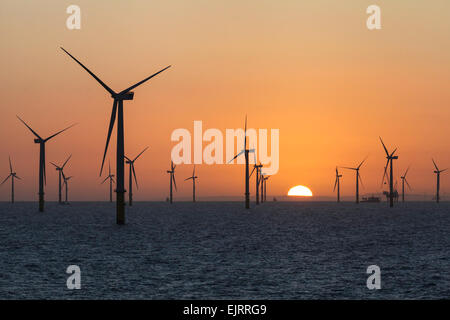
(218, 250)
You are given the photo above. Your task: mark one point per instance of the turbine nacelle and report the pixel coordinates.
(38, 141)
(123, 96)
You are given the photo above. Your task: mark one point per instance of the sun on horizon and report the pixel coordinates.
(300, 191)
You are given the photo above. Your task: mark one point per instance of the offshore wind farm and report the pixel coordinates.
(292, 166)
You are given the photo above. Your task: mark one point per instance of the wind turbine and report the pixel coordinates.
(66, 182)
(193, 177)
(257, 167)
(172, 178)
(117, 109)
(13, 176)
(60, 169)
(338, 185)
(265, 178)
(111, 180)
(245, 151)
(390, 157)
(133, 173)
(42, 174)
(403, 184)
(438, 177)
(358, 178)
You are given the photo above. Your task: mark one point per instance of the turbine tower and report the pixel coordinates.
(438, 179)
(257, 167)
(403, 184)
(338, 185)
(245, 151)
(358, 178)
(193, 177)
(172, 179)
(60, 170)
(13, 176)
(390, 157)
(265, 178)
(117, 109)
(111, 180)
(133, 173)
(42, 174)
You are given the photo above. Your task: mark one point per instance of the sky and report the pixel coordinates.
(310, 69)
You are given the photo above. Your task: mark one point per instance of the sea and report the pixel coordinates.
(220, 250)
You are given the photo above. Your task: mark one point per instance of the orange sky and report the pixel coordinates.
(312, 70)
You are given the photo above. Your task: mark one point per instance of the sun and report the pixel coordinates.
(300, 191)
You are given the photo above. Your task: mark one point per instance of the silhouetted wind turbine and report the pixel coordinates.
(390, 157)
(403, 184)
(358, 178)
(60, 170)
(66, 182)
(193, 177)
(13, 176)
(42, 174)
(111, 180)
(265, 178)
(117, 108)
(133, 173)
(245, 151)
(338, 185)
(256, 167)
(438, 178)
(172, 179)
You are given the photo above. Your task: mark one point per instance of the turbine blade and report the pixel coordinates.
(435, 165)
(349, 168)
(111, 126)
(5, 179)
(18, 177)
(406, 172)
(174, 182)
(134, 174)
(252, 172)
(237, 156)
(193, 171)
(335, 184)
(140, 154)
(141, 82)
(29, 128)
(360, 180)
(387, 153)
(444, 170)
(92, 74)
(59, 132)
(54, 164)
(105, 179)
(45, 172)
(188, 178)
(385, 173)
(127, 158)
(10, 166)
(393, 152)
(362, 163)
(66, 161)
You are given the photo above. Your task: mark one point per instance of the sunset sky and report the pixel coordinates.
(310, 69)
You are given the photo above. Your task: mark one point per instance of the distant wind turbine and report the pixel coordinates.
(117, 108)
(438, 178)
(403, 177)
(66, 183)
(257, 167)
(60, 170)
(245, 151)
(42, 174)
(358, 178)
(133, 173)
(111, 180)
(390, 157)
(193, 177)
(265, 178)
(172, 179)
(338, 185)
(13, 176)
